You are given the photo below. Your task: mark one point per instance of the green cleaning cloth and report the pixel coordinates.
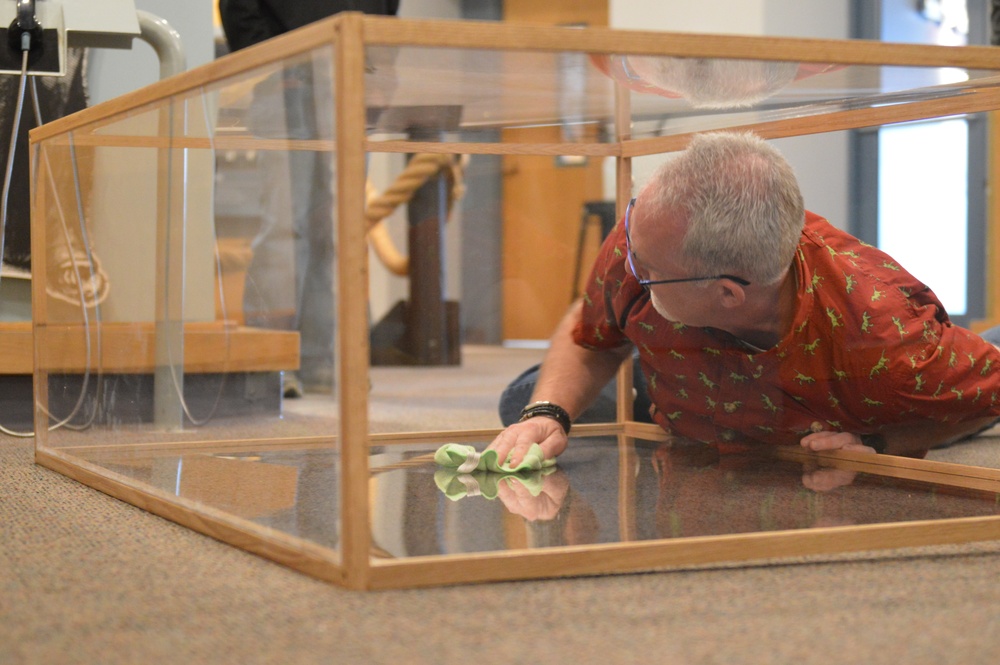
(465, 459)
(457, 485)
(467, 472)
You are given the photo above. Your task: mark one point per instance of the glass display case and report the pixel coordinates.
(168, 225)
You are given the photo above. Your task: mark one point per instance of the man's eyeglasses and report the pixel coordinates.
(646, 283)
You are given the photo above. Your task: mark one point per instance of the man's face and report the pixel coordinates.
(653, 245)
(689, 303)
(660, 307)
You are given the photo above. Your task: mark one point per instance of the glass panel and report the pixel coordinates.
(189, 289)
(477, 267)
(190, 263)
(443, 93)
(291, 489)
(671, 491)
(419, 508)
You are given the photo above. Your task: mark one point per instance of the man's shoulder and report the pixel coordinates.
(822, 232)
(838, 248)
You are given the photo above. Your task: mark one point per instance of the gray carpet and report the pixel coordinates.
(87, 579)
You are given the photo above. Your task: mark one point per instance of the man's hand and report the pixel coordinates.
(826, 480)
(516, 439)
(818, 441)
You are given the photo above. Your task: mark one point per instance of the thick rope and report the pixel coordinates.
(421, 168)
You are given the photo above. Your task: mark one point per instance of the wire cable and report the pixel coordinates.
(79, 280)
(8, 174)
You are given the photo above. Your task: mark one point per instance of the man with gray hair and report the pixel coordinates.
(753, 321)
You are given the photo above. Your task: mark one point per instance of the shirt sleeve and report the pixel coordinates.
(942, 373)
(601, 325)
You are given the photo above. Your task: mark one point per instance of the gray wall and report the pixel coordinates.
(114, 72)
(121, 197)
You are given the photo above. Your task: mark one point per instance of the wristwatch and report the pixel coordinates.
(549, 410)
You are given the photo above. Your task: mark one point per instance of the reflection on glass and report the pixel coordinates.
(457, 91)
(673, 489)
(294, 491)
(677, 489)
(707, 83)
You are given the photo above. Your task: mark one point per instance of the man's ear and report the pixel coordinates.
(731, 294)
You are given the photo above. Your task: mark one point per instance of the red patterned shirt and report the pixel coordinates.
(871, 347)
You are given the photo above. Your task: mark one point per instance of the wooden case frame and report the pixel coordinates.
(353, 566)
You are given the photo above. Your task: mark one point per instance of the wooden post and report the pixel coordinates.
(623, 189)
(352, 300)
(625, 400)
(39, 162)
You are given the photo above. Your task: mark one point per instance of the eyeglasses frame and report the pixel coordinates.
(646, 283)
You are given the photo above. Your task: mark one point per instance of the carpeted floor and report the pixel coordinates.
(85, 578)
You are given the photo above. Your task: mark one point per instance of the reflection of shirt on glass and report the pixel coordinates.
(743, 493)
(870, 347)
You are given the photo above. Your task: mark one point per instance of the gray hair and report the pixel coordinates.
(740, 201)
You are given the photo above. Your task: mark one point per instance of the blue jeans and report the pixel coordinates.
(290, 277)
(991, 335)
(603, 410)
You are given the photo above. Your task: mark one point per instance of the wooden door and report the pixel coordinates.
(543, 199)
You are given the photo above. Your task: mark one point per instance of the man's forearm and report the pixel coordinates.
(572, 376)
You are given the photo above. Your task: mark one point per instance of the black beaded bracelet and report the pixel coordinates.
(549, 410)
